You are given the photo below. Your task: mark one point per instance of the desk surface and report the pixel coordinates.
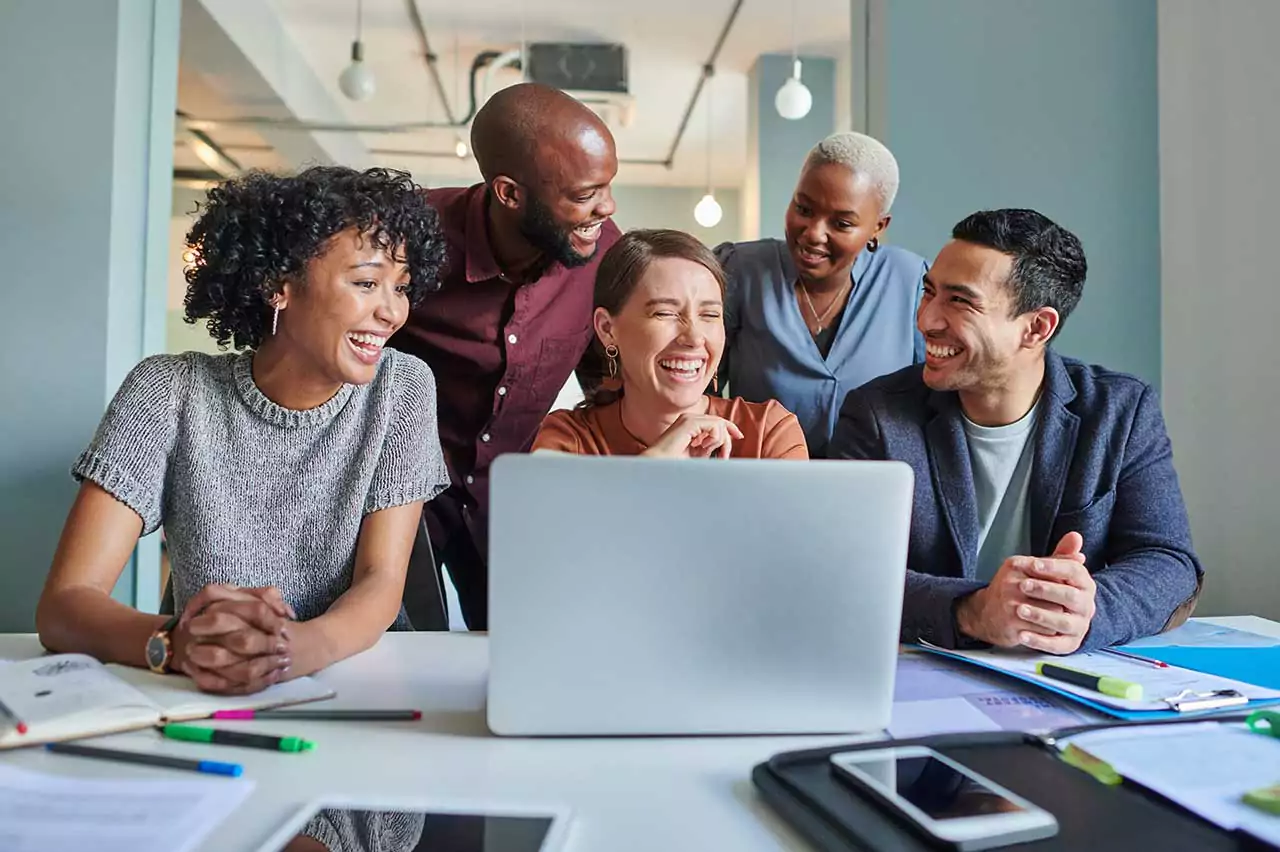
(624, 794)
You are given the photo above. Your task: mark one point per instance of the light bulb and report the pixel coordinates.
(460, 149)
(357, 81)
(707, 213)
(793, 100)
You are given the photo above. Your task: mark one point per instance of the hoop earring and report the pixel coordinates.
(275, 320)
(873, 245)
(611, 352)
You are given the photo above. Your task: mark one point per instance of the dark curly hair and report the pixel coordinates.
(257, 230)
(1049, 266)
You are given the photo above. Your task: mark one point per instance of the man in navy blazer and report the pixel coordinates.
(1047, 512)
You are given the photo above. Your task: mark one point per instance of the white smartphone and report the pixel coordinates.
(944, 799)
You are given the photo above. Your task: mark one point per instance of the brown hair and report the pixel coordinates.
(618, 276)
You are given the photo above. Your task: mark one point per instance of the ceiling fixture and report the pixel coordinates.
(707, 212)
(794, 100)
(461, 149)
(356, 80)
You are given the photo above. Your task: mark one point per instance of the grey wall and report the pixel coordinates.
(1043, 104)
(776, 147)
(1219, 127)
(75, 311)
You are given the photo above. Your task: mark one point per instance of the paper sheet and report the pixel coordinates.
(1202, 635)
(40, 812)
(1157, 683)
(1204, 767)
(935, 696)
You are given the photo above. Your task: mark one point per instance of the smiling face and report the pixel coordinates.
(354, 297)
(834, 213)
(669, 334)
(563, 215)
(973, 340)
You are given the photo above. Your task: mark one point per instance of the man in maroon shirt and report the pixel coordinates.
(512, 318)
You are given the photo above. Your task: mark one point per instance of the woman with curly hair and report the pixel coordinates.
(289, 476)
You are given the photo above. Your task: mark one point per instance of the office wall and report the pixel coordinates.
(1219, 134)
(672, 207)
(1044, 104)
(88, 156)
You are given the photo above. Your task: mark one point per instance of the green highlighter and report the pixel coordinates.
(1113, 686)
(196, 734)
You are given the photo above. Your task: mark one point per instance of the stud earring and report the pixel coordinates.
(873, 244)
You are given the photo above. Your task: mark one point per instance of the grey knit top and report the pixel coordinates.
(254, 494)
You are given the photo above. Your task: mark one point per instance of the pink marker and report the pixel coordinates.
(323, 715)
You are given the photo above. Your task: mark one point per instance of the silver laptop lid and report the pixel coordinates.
(645, 596)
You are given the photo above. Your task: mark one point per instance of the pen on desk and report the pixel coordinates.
(208, 767)
(323, 715)
(1113, 686)
(194, 734)
(1115, 652)
(18, 725)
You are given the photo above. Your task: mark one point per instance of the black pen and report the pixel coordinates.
(208, 767)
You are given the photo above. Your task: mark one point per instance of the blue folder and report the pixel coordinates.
(1128, 715)
(1258, 666)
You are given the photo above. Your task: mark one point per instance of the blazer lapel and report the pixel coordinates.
(953, 476)
(1054, 448)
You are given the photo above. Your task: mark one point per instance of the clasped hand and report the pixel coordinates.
(234, 640)
(696, 436)
(1046, 604)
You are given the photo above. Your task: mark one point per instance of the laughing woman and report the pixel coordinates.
(289, 477)
(814, 316)
(659, 299)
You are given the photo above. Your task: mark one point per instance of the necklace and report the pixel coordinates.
(821, 319)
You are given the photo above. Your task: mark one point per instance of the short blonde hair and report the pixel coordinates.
(863, 155)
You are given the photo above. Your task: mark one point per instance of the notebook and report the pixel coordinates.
(68, 696)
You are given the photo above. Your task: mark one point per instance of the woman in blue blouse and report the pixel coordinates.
(811, 318)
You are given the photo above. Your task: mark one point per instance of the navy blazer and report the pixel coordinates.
(1103, 467)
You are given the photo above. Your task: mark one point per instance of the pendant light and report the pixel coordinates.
(708, 212)
(357, 81)
(794, 100)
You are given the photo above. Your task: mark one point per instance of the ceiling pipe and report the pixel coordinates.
(491, 59)
(431, 57)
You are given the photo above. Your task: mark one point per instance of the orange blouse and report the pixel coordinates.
(769, 430)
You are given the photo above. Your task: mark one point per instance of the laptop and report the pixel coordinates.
(632, 596)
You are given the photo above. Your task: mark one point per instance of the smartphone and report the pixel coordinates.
(942, 799)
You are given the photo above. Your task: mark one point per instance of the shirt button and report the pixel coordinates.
(485, 437)
(502, 391)
(471, 480)
(511, 338)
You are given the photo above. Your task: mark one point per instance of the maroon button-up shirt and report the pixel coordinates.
(500, 352)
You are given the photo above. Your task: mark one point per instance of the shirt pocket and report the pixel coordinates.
(1091, 520)
(558, 356)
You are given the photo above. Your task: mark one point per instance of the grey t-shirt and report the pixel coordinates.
(1001, 460)
(254, 494)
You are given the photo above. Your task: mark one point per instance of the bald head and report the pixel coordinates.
(523, 128)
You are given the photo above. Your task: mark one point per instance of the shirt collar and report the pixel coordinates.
(481, 264)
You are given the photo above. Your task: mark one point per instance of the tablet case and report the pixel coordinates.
(1091, 816)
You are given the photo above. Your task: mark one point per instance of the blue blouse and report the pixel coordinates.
(769, 353)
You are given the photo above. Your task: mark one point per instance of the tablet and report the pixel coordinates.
(341, 824)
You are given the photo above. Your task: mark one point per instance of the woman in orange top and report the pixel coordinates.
(659, 319)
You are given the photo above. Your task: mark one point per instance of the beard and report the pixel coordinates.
(539, 227)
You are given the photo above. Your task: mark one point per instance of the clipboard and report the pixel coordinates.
(834, 817)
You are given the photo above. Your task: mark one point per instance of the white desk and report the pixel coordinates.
(637, 794)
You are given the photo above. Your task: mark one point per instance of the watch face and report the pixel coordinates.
(156, 652)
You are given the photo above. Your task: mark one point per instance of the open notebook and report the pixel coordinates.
(68, 696)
